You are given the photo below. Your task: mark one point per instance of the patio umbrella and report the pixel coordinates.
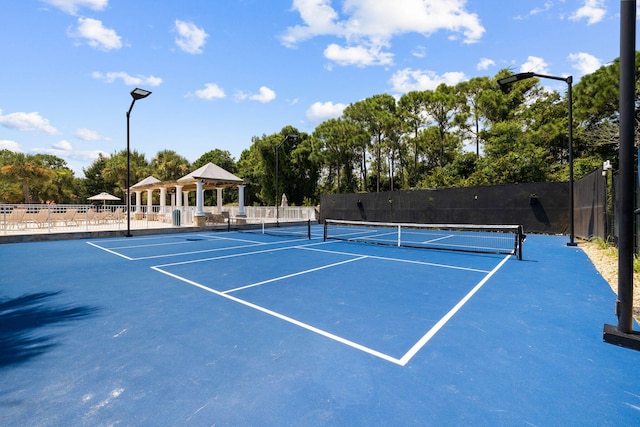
(104, 197)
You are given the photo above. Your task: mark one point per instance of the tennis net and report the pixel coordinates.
(496, 239)
(298, 229)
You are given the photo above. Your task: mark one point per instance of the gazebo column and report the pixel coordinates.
(199, 216)
(242, 215)
(138, 205)
(178, 196)
(163, 202)
(149, 204)
(219, 200)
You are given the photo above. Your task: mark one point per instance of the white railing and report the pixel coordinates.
(52, 218)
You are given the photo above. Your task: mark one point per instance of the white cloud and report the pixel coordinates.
(408, 80)
(321, 111)
(63, 145)
(127, 79)
(485, 63)
(90, 135)
(27, 121)
(592, 10)
(210, 91)
(71, 6)
(265, 95)
(419, 52)
(547, 6)
(584, 62)
(190, 38)
(357, 55)
(372, 24)
(380, 20)
(96, 34)
(6, 144)
(319, 17)
(64, 149)
(535, 64)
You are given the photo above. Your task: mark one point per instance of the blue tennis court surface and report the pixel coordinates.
(228, 328)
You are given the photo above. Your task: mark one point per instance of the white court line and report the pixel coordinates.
(110, 251)
(431, 264)
(402, 361)
(434, 330)
(439, 238)
(287, 319)
(245, 253)
(202, 251)
(294, 274)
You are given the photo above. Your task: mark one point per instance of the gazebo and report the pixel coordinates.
(208, 177)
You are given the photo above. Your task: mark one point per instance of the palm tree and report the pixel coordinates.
(26, 167)
(168, 165)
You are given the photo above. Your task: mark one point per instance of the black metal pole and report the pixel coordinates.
(506, 82)
(128, 178)
(623, 334)
(626, 156)
(572, 235)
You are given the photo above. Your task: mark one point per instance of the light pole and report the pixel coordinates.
(135, 94)
(504, 83)
(623, 334)
(293, 136)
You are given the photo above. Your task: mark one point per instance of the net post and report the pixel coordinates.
(399, 235)
(309, 229)
(324, 235)
(519, 240)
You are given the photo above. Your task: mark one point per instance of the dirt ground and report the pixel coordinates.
(606, 262)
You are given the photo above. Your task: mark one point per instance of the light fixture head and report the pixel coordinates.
(514, 78)
(138, 93)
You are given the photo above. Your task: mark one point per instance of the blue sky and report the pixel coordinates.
(223, 71)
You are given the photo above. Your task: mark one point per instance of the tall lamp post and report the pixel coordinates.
(623, 334)
(292, 136)
(136, 94)
(505, 83)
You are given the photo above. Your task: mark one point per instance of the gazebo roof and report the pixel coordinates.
(146, 182)
(211, 174)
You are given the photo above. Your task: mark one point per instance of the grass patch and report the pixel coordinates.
(612, 251)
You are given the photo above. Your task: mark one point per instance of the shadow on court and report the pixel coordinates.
(25, 325)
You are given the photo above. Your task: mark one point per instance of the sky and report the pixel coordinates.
(224, 71)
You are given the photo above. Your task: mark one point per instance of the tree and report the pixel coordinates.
(480, 101)
(445, 107)
(167, 165)
(377, 116)
(336, 144)
(61, 187)
(115, 169)
(26, 168)
(95, 182)
(413, 115)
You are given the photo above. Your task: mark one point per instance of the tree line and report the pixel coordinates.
(472, 133)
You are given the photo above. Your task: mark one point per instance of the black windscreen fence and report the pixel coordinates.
(538, 207)
(590, 201)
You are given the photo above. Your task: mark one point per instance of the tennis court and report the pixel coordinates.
(237, 328)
